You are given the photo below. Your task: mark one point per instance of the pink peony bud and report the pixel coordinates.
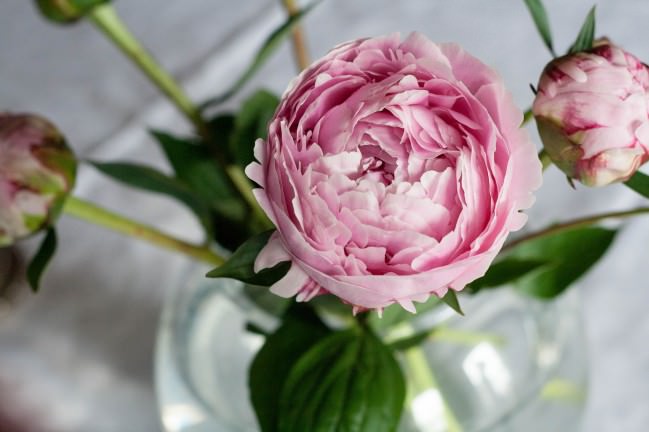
(37, 171)
(592, 114)
(393, 170)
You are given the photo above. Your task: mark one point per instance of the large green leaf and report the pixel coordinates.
(300, 330)
(251, 123)
(269, 46)
(568, 255)
(540, 17)
(349, 381)
(503, 272)
(151, 180)
(42, 258)
(639, 182)
(240, 265)
(586, 35)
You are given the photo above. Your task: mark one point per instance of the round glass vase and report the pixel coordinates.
(511, 364)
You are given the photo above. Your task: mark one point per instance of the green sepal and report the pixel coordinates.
(240, 265)
(43, 256)
(66, 11)
(450, 298)
(586, 36)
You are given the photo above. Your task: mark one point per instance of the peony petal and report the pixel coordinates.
(291, 283)
(272, 254)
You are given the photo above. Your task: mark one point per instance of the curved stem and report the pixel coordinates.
(107, 20)
(576, 223)
(94, 214)
(242, 184)
(299, 41)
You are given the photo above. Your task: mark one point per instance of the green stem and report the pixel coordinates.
(107, 20)
(89, 212)
(242, 184)
(300, 51)
(576, 223)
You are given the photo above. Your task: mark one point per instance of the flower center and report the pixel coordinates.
(376, 165)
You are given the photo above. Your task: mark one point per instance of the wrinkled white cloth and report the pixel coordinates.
(79, 355)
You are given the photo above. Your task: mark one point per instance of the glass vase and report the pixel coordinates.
(511, 364)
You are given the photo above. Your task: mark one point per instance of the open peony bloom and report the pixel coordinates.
(37, 172)
(392, 170)
(592, 114)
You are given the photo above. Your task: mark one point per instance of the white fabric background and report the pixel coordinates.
(78, 356)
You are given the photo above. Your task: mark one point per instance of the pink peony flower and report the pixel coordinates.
(37, 172)
(392, 170)
(592, 114)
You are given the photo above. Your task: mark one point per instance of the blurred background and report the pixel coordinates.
(78, 356)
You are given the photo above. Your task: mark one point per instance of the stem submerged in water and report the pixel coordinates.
(421, 379)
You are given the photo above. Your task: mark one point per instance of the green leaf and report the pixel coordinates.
(300, 330)
(194, 166)
(408, 342)
(586, 35)
(251, 123)
(221, 127)
(503, 272)
(269, 46)
(451, 300)
(639, 182)
(240, 265)
(568, 256)
(42, 258)
(540, 17)
(349, 381)
(151, 180)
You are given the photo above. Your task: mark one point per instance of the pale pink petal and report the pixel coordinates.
(291, 283)
(272, 254)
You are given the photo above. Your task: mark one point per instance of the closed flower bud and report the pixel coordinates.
(67, 11)
(37, 172)
(591, 112)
